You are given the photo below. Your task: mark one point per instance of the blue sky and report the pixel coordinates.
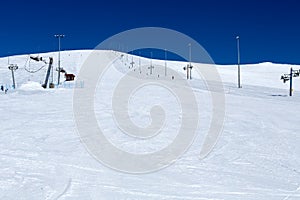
(269, 30)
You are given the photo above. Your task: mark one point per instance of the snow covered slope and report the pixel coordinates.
(256, 157)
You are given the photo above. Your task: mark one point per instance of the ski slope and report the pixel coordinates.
(42, 155)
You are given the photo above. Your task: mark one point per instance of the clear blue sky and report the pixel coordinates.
(269, 29)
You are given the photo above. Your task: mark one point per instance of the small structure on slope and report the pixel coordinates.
(69, 77)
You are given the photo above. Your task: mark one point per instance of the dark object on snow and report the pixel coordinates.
(70, 77)
(36, 58)
(51, 85)
(62, 70)
(2, 88)
(6, 90)
(48, 73)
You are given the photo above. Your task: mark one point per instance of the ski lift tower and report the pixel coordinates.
(189, 66)
(239, 61)
(13, 68)
(151, 66)
(59, 36)
(132, 62)
(289, 77)
(165, 62)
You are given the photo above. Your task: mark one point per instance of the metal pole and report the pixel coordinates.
(132, 63)
(58, 78)
(291, 82)
(12, 68)
(165, 62)
(187, 72)
(13, 77)
(8, 57)
(140, 62)
(239, 60)
(52, 75)
(59, 37)
(151, 58)
(190, 57)
(151, 63)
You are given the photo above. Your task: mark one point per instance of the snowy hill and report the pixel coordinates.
(42, 156)
(263, 74)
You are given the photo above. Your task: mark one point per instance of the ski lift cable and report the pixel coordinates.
(32, 71)
(35, 71)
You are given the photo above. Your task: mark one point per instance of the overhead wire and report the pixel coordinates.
(32, 71)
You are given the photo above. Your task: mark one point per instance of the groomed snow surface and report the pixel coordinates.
(42, 156)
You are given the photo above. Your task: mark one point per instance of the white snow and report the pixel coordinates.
(256, 157)
(31, 86)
